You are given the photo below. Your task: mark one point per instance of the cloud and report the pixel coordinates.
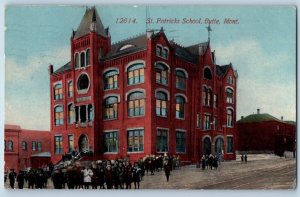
(266, 80)
(27, 101)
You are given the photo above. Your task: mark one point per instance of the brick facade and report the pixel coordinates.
(25, 144)
(263, 133)
(144, 95)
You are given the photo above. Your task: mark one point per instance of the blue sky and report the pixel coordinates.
(262, 48)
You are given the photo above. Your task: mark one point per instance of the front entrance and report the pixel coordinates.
(206, 146)
(219, 146)
(83, 143)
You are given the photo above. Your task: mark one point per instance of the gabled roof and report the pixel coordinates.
(222, 70)
(64, 68)
(89, 17)
(198, 49)
(136, 44)
(258, 118)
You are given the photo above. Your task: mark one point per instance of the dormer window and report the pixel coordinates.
(207, 74)
(126, 46)
(162, 51)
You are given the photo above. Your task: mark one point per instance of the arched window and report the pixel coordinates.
(58, 91)
(207, 73)
(164, 53)
(158, 50)
(180, 102)
(180, 80)
(82, 59)
(88, 57)
(110, 80)
(161, 104)
(229, 117)
(83, 82)
(229, 95)
(136, 74)
(230, 80)
(161, 74)
(76, 60)
(136, 104)
(10, 145)
(59, 115)
(111, 108)
(208, 97)
(71, 113)
(70, 89)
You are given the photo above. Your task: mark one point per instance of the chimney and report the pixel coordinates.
(50, 69)
(242, 117)
(258, 111)
(149, 33)
(281, 118)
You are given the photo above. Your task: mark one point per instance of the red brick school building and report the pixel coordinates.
(143, 95)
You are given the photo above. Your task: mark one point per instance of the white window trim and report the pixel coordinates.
(184, 131)
(167, 129)
(163, 90)
(132, 129)
(134, 90)
(115, 95)
(135, 62)
(183, 70)
(84, 91)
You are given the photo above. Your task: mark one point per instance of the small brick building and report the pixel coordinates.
(263, 133)
(143, 95)
(25, 148)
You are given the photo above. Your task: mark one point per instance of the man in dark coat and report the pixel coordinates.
(12, 178)
(136, 171)
(20, 179)
(167, 169)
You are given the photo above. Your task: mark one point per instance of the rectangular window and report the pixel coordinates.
(111, 142)
(33, 145)
(206, 122)
(215, 101)
(198, 122)
(39, 146)
(162, 144)
(58, 145)
(135, 140)
(70, 89)
(180, 141)
(229, 144)
(216, 123)
(130, 77)
(71, 142)
(24, 145)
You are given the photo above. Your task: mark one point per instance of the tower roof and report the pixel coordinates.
(90, 16)
(258, 118)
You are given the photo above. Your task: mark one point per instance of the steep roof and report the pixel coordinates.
(127, 46)
(290, 122)
(258, 118)
(64, 68)
(89, 17)
(222, 70)
(184, 53)
(198, 49)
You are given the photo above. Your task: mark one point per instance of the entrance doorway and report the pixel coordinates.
(206, 146)
(83, 144)
(219, 146)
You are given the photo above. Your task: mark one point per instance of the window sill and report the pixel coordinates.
(166, 85)
(110, 119)
(180, 118)
(135, 84)
(136, 116)
(161, 116)
(135, 152)
(180, 152)
(117, 88)
(181, 89)
(113, 153)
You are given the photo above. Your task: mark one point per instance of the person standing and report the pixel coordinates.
(242, 158)
(12, 178)
(87, 177)
(136, 176)
(167, 169)
(20, 179)
(246, 158)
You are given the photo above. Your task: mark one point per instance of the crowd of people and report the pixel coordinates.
(104, 174)
(210, 161)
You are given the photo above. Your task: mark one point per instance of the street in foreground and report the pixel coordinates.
(260, 172)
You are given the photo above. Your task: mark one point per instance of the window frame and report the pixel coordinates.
(114, 138)
(180, 107)
(60, 145)
(138, 104)
(177, 131)
(141, 147)
(109, 106)
(164, 139)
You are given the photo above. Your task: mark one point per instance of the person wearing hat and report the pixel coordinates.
(12, 178)
(20, 179)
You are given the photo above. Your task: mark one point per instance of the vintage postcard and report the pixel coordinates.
(150, 97)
